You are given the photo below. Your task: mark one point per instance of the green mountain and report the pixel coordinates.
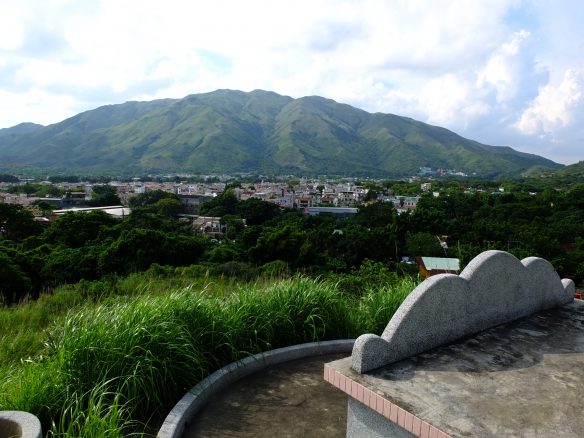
(21, 128)
(232, 131)
(573, 171)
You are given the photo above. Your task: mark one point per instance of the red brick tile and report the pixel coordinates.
(393, 413)
(354, 386)
(360, 395)
(401, 417)
(424, 430)
(443, 434)
(366, 396)
(342, 382)
(409, 421)
(373, 401)
(416, 426)
(326, 373)
(386, 408)
(347, 388)
(337, 379)
(433, 432)
(380, 404)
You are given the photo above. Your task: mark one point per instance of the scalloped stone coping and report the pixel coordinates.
(493, 289)
(193, 401)
(18, 424)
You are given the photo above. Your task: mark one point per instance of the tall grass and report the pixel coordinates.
(377, 305)
(96, 413)
(111, 365)
(22, 327)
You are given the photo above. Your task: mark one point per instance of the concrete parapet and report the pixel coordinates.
(493, 289)
(17, 424)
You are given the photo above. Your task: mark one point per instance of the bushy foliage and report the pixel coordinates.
(125, 361)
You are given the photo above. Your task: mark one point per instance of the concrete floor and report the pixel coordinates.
(288, 400)
(524, 378)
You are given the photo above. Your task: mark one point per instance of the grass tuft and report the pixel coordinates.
(118, 362)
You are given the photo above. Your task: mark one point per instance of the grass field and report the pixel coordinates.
(111, 358)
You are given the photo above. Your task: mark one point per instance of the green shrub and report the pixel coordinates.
(110, 367)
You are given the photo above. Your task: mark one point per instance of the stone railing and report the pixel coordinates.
(493, 289)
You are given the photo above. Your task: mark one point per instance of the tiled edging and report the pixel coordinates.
(193, 401)
(382, 406)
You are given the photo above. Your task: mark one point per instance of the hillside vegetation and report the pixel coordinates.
(231, 131)
(114, 365)
(108, 322)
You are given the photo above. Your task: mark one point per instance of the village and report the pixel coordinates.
(313, 197)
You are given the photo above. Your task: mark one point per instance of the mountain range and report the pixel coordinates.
(229, 131)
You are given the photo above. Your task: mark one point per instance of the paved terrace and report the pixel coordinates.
(288, 400)
(496, 351)
(524, 378)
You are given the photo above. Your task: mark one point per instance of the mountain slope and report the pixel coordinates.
(573, 170)
(233, 131)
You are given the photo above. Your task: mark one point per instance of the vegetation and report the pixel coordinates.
(231, 131)
(107, 322)
(525, 219)
(111, 361)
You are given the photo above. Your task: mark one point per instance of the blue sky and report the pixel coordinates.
(502, 72)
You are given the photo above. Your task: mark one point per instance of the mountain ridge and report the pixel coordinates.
(229, 131)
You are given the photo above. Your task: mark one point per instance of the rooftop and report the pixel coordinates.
(522, 378)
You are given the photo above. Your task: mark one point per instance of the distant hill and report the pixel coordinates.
(573, 170)
(22, 128)
(229, 131)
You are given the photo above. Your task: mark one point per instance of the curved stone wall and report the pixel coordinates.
(185, 410)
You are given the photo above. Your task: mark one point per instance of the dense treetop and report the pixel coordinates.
(525, 219)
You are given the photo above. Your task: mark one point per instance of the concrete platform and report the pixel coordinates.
(520, 379)
(287, 400)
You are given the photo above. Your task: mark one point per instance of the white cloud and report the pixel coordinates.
(492, 70)
(554, 107)
(11, 29)
(505, 71)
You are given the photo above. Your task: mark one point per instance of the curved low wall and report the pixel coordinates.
(185, 410)
(17, 424)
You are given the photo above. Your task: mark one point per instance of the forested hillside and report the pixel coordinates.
(261, 132)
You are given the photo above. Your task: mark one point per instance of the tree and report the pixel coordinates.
(423, 244)
(135, 250)
(77, 229)
(283, 243)
(17, 223)
(103, 195)
(150, 198)
(378, 214)
(70, 265)
(44, 207)
(256, 212)
(4, 177)
(168, 207)
(225, 203)
(14, 284)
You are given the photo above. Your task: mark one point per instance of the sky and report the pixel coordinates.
(501, 72)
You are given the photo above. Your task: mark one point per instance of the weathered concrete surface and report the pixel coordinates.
(523, 378)
(209, 388)
(364, 422)
(494, 288)
(19, 424)
(287, 400)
